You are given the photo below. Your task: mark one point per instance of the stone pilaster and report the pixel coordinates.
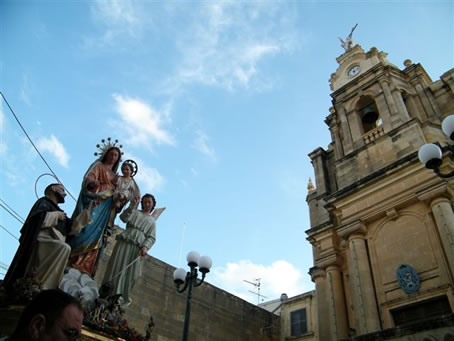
(400, 104)
(444, 218)
(356, 128)
(388, 97)
(425, 102)
(319, 278)
(364, 301)
(338, 312)
(438, 199)
(332, 121)
(347, 142)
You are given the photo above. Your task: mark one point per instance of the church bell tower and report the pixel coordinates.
(382, 225)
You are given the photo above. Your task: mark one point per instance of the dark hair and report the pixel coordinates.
(129, 165)
(49, 188)
(49, 303)
(104, 156)
(148, 196)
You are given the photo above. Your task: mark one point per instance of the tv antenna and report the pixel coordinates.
(256, 284)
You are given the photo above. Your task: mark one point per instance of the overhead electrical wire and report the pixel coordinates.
(7, 210)
(23, 129)
(9, 232)
(17, 215)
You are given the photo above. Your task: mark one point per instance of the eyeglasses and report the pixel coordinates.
(72, 334)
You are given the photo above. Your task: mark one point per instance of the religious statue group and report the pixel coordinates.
(51, 242)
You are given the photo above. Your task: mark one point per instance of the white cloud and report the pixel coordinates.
(141, 122)
(148, 178)
(227, 41)
(54, 147)
(275, 279)
(118, 19)
(201, 144)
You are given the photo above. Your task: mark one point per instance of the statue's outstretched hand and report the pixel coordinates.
(143, 251)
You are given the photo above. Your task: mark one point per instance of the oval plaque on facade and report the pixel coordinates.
(408, 279)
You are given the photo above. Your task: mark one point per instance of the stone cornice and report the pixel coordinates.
(354, 227)
(434, 192)
(332, 258)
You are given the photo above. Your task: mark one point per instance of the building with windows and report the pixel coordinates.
(382, 225)
(299, 317)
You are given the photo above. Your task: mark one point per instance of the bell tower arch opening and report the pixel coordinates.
(367, 111)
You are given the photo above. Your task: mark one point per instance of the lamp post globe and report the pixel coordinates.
(448, 126)
(193, 258)
(430, 155)
(179, 276)
(205, 264)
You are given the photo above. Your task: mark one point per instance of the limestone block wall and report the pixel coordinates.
(382, 152)
(215, 313)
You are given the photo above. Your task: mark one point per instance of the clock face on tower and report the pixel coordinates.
(353, 71)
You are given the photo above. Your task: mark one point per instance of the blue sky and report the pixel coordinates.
(219, 102)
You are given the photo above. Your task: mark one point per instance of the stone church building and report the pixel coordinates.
(382, 225)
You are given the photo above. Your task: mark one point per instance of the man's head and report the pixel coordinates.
(51, 315)
(55, 192)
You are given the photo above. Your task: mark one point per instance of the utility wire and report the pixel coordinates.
(17, 214)
(7, 210)
(9, 233)
(56, 177)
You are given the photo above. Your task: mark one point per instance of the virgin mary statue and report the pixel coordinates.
(96, 196)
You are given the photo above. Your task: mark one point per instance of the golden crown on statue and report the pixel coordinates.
(106, 145)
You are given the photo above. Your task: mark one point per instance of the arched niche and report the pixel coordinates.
(368, 114)
(402, 240)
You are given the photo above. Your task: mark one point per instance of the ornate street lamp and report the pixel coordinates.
(430, 154)
(190, 279)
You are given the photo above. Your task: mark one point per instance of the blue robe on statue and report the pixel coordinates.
(88, 245)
